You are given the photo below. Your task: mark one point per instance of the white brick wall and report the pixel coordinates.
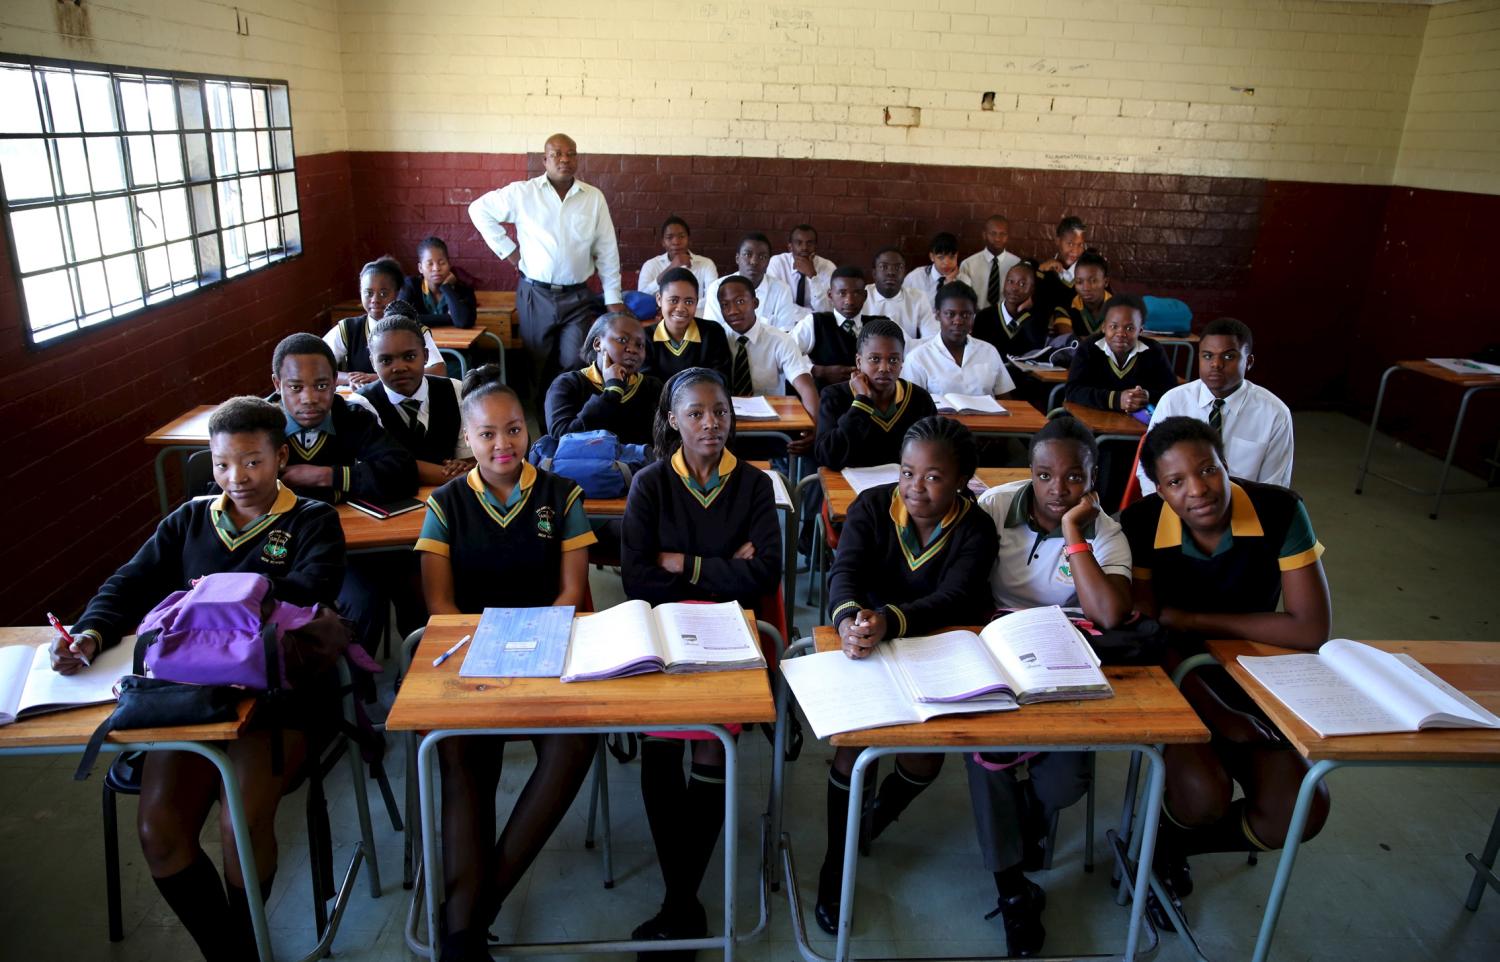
(1452, 136)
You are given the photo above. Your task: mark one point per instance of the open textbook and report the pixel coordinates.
(862, 479)
(1347, 688)
(632, 638)
(755, 408)
(968, 404)
(1029, 656)
(29, 686)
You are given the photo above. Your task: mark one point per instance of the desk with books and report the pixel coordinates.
(1473, 667)
(1145, 712)
(439, 702)
(1107, 425)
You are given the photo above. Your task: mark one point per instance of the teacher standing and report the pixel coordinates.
(566, 235)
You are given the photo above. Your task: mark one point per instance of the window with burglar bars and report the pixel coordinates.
(127, 187)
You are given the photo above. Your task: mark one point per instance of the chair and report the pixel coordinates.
(1133, 483)
(1484, 867)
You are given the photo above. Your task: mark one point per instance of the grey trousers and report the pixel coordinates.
(1058, 778)
(553, 325)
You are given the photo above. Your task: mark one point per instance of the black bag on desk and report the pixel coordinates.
(1139, 641)
(154, 703)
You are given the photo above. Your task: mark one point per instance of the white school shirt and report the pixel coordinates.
(925, 281)
(1256, 424)
(776, 306)
(1032, 570)
(910, 308)
(774, 358)
(930, 365)
(703, 269)
(974, 270)
(805, 334)
(424, 413)
(335, 341)
(563, 240)
(783, 268)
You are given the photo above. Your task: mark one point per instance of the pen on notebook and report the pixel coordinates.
(72, 642)
(451, 651)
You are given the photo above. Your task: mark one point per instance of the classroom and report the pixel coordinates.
(1145, 333)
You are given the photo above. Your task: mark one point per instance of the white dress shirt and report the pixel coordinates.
(335, 341)
(1256, 424)
(774, 358)
(926, 281)
(1032, 570)
(775, 298)
(783, 268)
(974, 270)
(910, 308)
(563, 240)
(702, 268)
(424, 413)
(930, 365)
(805, 334)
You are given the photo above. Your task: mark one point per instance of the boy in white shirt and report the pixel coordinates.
(1255, 424)
(985, 269)
(802, 270)
(764, 359)
(675, 236)
(955, 361)
(751, 259)
(889, 297)
(942, 266)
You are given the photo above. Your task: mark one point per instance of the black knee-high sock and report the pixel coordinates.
(897, 791)
(239, 912)
(197, 897)
(1231, 833)
(664, 792)
(1011, 882)
(700, 834)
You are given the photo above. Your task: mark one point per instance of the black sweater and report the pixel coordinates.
(1030, 330)
(921, 589)
(367, 462)
(664, 514)
(299, 546)
(711, 350)
(575, 403)
(852, 435)
(1094, 380)
(453, 303)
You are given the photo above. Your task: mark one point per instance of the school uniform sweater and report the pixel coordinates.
(435, 443)
(669, 511)
(299, 545)
(1077, 318)
(1095, 378)
(356, 334)
(367, 462)
(584, 401)
(1052, 291)
(703, 345)
(452, 303)
(882, 565)
(506, 555)
(1026, 331)
(852, 434)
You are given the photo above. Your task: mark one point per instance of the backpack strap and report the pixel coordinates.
(91, 751)
(142, 642)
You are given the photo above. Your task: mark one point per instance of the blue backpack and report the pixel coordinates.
(594, 460)
(1167, 315)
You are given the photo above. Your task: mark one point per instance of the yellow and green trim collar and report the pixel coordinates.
(1243, 523)
(504, 514)
(663, 336)
(594, 377)
(233, 538)
(912, 549)
(1019, 513)
(887, 419)
(705, 495)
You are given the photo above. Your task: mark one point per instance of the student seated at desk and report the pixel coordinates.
(1013, 326)
(828, 337)
(1083, 315)
(1056, 276)
(436, 290)
(1056, 548)
(237, 531)
(1254, 423)
(681, 340)
(914, 558)
(1117, 369)
(338, 451)
(888, 296)
(610, 393)
(349, 339)
(942, 266)
(862, 421)
(419, 411)
(802, 270)
(956, 361)
(765, 359)
(1214, 557)
(751, 259)
(699, 526)
(675, 237)
(504, 535)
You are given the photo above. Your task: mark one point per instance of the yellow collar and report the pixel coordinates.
(662, 334)
(1243, 521)
(706, 494)
(916, 553)
(597, 380)
(528, 478)
(504, 514)
(286, 500)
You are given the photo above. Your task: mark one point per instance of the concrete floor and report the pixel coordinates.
(1385, 880)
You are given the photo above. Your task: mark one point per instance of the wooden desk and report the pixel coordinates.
(1022, 422)
(1146, 711)
(1472, 667)
(1471, 384)
(443, 704)
(1175, 343)
(364, 533)
(184, 434)
(1107, 425)
(791, 418)
(839, 495)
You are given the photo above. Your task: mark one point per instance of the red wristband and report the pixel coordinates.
(1082, 546)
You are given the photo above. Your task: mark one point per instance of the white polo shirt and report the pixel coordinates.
(1031, 570)
(1256, 424)
(702, 268)
(783, 267)
(931, 366)
(776, 307)
(974, 270)
(774, 358)
(910, 308)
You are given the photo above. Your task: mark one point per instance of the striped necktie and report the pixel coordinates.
(412, 408)
(739, 374)
(1216, 415)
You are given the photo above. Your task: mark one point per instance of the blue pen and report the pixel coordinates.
(451, 651)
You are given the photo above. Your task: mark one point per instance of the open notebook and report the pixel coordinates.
(968, 404)
(755, 408)
(1347, 688)
(861, 479)
(632, 638)
(29, 686)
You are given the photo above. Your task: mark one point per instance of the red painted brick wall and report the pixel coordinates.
(80, 496)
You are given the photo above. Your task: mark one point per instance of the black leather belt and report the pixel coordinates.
(555, 288)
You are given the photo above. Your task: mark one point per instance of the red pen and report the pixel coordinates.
(72, 642)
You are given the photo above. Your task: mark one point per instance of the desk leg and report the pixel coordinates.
(1156, 786)
(867, 757)
(1364, 462)
(1484, 867)
(457, 359)
(432, 858)
(162, 495)
(1310, 782)
(500, 348)
(1458, 426)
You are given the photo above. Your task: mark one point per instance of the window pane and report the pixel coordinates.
(243, 115)
(255, 237)
(203, 209)
(244, 144)
(224, 157)
(168, 158)
(288, 185)
(24, 165)
(115, 233)
(96, 97)
(190, 101)
(105, 166)
(142, 162)
(259, 109)
(230, 211)
(284, 158)
(264, 160)
(208, 258)
(268, 195)
(273, 233)
(174, 211)
(148, 219)
(61, 103)
(18, 93)
(196, 146)
(158, 273)
(234, 250)
(36, 239)
(281, 111)
(218, 105)
(133, 101)
(49, 299)
(124, 281)
(73, 161)
(180, 257)
(250, 197)
(82, 230)
(163, 106)
(92, 287)
(292, 231)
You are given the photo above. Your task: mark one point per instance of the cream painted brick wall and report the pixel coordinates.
(292, 40)
(1452, 136)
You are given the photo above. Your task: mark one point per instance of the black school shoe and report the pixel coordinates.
(689, 922)
(826, 909)
(1022, 915)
